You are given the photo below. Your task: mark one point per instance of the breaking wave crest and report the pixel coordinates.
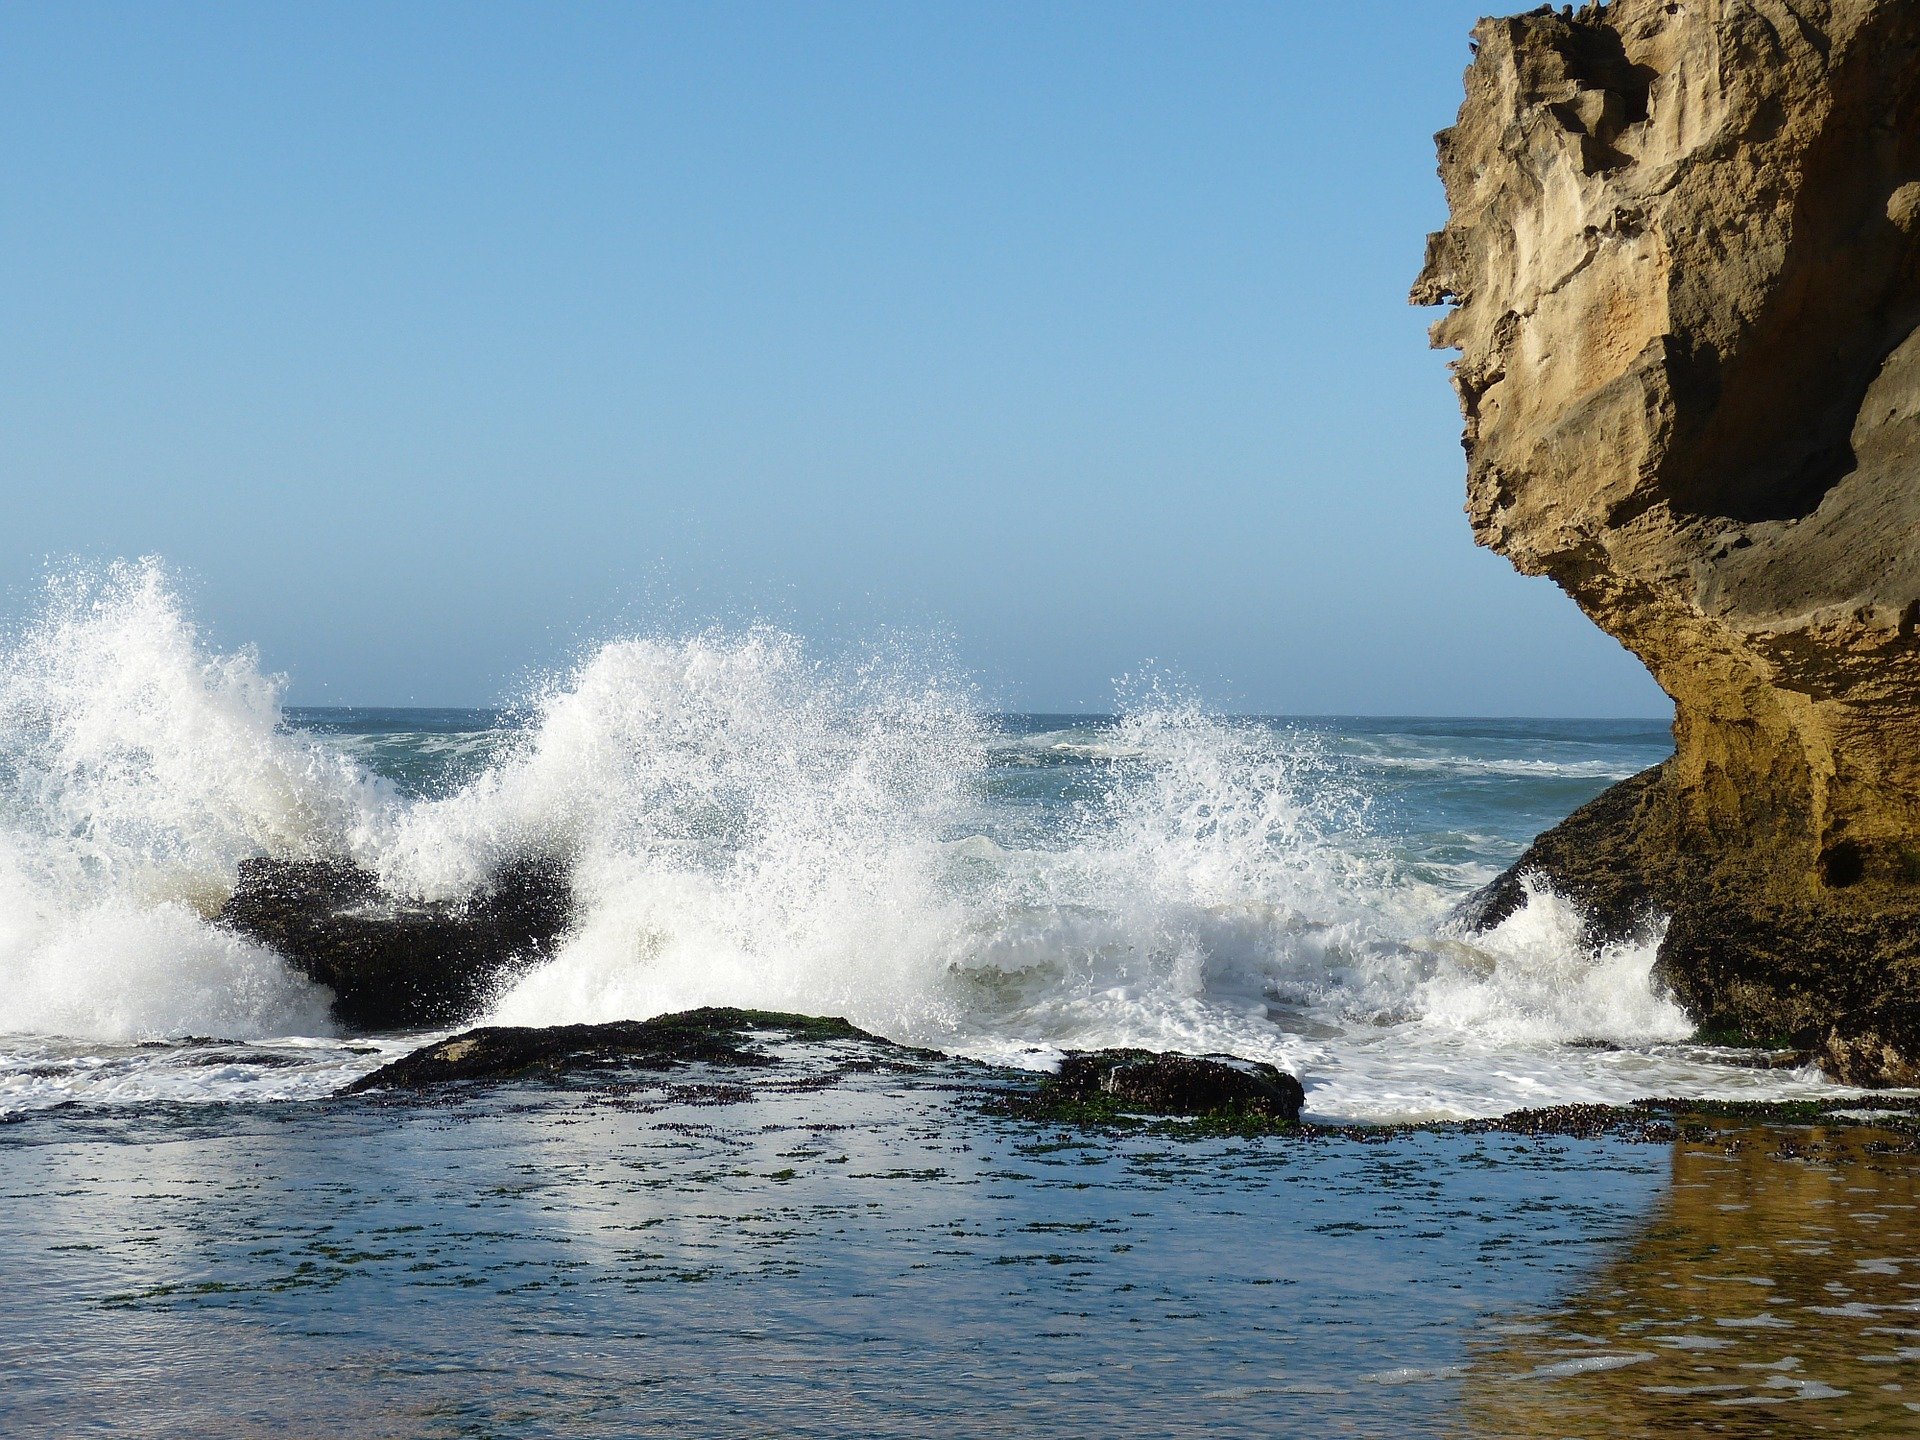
(749, 823)
(136, 770)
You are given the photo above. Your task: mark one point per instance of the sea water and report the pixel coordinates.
(198, 1239)
(749, 822)
(838, 1247)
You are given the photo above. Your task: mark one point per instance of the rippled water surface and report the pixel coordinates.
(844, 1245)
(198, 1239)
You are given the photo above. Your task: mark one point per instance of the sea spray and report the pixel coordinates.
(1209, 857)
(749, 822)
(761, 830)
(136, 770)
(747, 825)
(1545, 984)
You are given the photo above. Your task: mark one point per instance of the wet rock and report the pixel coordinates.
(1803, 971)
(1595, 858)
(1868, 1058)
(395, 963)
(1141, 1081)
(1683, 256)
(712, 1035)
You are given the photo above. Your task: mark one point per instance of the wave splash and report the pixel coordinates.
(747, 823)
(136, 770)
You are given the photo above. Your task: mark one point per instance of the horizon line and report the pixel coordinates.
(507, 707)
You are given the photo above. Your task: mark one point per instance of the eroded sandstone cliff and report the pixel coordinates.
(1683, 256)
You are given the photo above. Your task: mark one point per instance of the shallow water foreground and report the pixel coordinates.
(848, 1243)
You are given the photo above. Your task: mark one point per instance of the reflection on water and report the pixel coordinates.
(841, 1246)
(1775, 1290)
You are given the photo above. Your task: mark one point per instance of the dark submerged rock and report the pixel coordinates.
(1591, 858)
(1091, 1088)
(1120, 1081)
(1102, 1091)
(713, 1035)
(395, 963)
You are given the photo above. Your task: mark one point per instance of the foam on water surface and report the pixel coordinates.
(748, 822)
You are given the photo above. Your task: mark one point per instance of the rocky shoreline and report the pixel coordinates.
(396, 964)
(1121, 1091)
(1090, 1084)
(1821, 976)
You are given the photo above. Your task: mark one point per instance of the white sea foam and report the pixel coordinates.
(136, 770)
(769, 833)
(111, 967)
(749, 824)
(1221, 892)
(1544, 985)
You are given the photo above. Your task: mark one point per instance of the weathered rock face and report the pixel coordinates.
(1684, 257)
(394, 963)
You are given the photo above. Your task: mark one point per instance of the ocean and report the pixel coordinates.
(749, 823)
(200, 1239)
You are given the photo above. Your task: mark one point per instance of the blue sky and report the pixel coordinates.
(432, 342)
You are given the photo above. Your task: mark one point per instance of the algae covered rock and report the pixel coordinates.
(1683, 256)
(1146, 1082)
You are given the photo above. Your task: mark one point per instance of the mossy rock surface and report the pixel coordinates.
(1095, 1086)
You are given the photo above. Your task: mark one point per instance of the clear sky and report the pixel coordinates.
(432, 341)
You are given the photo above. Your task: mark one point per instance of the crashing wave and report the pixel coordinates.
(747, 823)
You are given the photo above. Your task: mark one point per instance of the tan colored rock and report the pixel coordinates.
(1684, 258)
